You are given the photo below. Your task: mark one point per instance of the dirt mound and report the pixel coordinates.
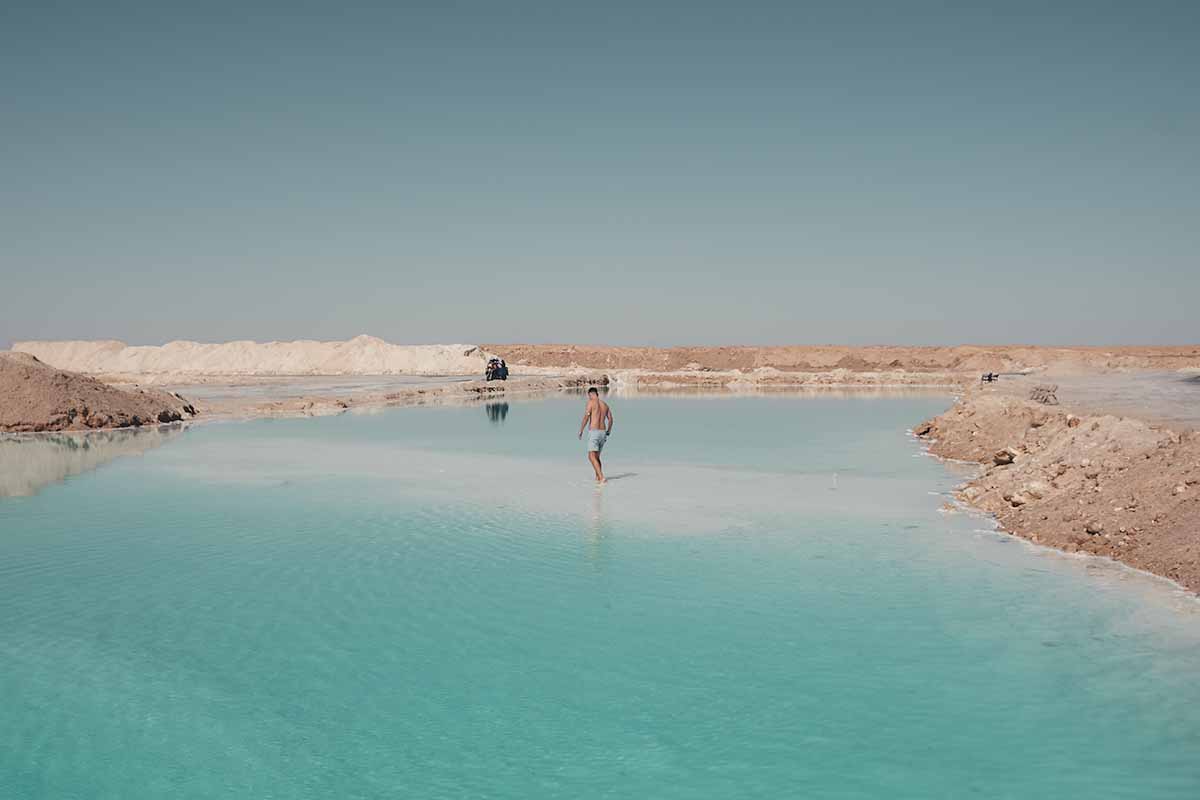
(37, 397)
(1105, 485)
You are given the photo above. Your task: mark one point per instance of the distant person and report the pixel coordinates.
(598, 421)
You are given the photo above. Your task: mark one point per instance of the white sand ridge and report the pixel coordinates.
(362, 355)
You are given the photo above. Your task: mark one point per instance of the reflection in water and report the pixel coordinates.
(497, 412)
(597, 529)
(28, 463)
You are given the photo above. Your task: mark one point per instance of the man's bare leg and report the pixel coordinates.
(594, 457)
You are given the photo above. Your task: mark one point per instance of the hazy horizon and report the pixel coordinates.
(639, 174)
(586, 343)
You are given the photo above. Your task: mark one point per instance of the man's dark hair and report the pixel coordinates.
(594, 390)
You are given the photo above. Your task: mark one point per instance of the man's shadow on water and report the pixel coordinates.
(621, 475)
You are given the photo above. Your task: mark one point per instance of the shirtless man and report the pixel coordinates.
(598, 421)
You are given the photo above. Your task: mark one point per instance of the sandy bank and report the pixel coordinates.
(816, 366)
(178, 361)
(37, 397)
(1100, 484)
(965, 359)
(771, 378)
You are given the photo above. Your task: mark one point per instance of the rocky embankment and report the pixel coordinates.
(37, 397)
(1105, 485)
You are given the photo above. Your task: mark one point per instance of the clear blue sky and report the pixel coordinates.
(659, 173)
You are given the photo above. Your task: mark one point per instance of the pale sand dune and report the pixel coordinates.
(362, 355)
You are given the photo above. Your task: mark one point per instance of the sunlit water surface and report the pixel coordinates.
(766, 601)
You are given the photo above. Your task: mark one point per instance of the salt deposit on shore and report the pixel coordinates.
(362, 355)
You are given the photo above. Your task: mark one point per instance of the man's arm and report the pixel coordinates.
(608, 416)
(583, 424)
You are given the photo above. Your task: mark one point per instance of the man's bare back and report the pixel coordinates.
(597, 412)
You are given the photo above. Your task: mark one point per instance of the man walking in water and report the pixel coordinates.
(598, 421)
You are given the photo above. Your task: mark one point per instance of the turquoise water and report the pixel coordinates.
(436, 603)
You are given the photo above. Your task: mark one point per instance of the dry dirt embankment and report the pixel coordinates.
(821, 358)
(37, 397)
(829, 365)
(1105, 485)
